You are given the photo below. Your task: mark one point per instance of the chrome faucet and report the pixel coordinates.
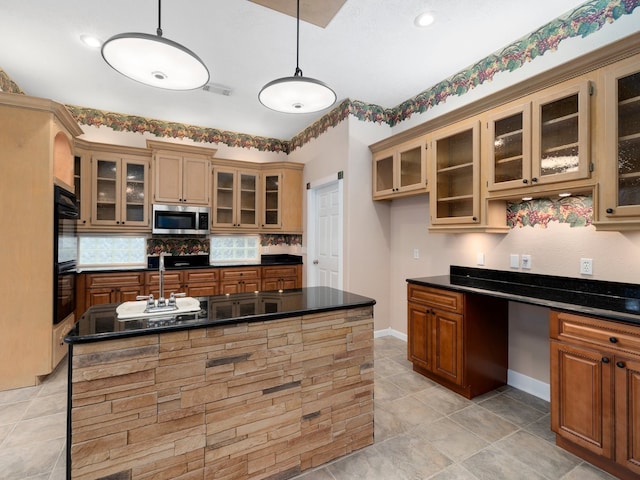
(161, 269)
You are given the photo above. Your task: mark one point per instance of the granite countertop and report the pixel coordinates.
(611, 300)
(100, 322)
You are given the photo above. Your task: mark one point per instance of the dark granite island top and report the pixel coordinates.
(261, 385)
(610, 300)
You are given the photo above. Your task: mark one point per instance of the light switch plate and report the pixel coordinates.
(514, 260)
(480, 258)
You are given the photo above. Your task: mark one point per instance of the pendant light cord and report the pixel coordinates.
(298, 71)
(159, 30)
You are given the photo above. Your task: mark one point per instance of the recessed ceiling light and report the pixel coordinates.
(527, 199)
(564, 194)
(90, 41)
(424, 19)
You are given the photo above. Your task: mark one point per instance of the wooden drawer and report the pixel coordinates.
(96, 280)
(436, 298)
(279, 271)
(234, 274)
(203, 276)
(590, 331)
(170, 277)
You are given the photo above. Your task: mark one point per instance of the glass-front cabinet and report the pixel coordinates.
(271, 200)
(235, 199)
(456, 167)
(119, 191)
(542, 141)
(400, 169)
(621, 182)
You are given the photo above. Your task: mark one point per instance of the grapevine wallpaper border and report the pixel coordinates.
(576, 211)
(582, 21)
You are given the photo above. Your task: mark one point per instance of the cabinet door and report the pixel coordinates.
(627, 373)
(383, 174)
(419, 352)
(82, 185)
(247, 200)
(128, 294)
(582, 397)
(560, 142)
(271, 200)
(105, 190)
(223, 198)
(167, 178)
(509, 147)
(456, 165)
(229, 287)
(621, 185)
(196, 186)
(448, 346)
(99, 296)
(411, 171)
(135, 194)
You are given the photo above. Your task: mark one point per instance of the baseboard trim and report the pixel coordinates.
(528, 384)
(390, 332)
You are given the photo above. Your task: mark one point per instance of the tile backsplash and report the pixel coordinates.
(200, 246)
(576, 211)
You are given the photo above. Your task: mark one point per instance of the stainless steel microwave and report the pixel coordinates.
(180, 220)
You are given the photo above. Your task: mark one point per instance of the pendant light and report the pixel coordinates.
(297, 94)
(155, 60)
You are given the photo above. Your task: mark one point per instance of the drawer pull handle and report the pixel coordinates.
(605, 360)
(620, 364)
(613, 339)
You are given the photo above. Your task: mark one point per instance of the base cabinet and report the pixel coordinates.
(240, 280)
(458, 340)
(281, 277)
(595, 391)
(102, 288)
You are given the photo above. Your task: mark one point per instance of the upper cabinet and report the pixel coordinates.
(620, 184)
(281, 203)
(235, 199)
(181, 174)
(455, 163)
(540, 141)
(119, 190)
(400, 170)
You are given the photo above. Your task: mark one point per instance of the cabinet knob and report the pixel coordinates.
(613, 339)
(609, 210)
(605, 360)
(620, 364)
(524, 180)
(475, 219)
(534, 180)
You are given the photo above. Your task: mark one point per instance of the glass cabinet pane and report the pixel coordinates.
(411, 167)
(559, 136)
(508, 149)
(455, 175)
(271, 199)
(629, 140)
(384, 174)
(77, 183)
(224, 197)
(248, 191)
(106, 190)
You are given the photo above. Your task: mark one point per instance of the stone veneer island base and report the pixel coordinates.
(246, 400)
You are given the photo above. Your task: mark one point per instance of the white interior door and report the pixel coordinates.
(326, 258)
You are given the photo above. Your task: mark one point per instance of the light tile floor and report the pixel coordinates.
(422, 431)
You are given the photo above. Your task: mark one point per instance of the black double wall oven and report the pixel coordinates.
(65, 254)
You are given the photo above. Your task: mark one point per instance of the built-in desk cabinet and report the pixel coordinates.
(595, 391)
(620, 187)
(400, 170)
(458, 340)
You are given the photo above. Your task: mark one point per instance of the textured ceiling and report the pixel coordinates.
(370, 51)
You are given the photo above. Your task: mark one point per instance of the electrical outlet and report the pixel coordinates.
(526, 262)
(265, 249)
(416, 253)
(514, 260)
(586, 266)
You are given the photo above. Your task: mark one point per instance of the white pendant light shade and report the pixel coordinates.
(296, 94)
(155, 61)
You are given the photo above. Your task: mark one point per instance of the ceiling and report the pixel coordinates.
(369, 51)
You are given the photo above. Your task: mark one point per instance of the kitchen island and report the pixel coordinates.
(260, 385)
